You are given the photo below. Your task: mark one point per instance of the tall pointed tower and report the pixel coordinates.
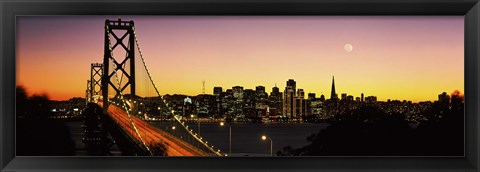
(333, 94)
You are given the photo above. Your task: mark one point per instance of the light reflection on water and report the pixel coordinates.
(246, 137)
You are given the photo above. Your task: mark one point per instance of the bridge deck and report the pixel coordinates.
(152, 135)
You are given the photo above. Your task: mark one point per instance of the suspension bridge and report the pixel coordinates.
(111, 90)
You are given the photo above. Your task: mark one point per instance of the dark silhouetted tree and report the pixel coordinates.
(36, 134)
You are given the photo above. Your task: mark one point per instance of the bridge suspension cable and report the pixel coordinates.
(170, 110)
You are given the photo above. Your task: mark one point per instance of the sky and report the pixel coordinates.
(394, 57)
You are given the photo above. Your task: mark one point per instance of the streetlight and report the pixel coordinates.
(230, 137)
(271, 144)
(173, 130)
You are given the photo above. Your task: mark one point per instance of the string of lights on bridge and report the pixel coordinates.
(175, 116)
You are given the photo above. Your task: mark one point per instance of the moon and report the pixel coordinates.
(348, 47)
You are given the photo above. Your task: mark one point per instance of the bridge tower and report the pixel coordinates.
(112, 28)
(96, 73)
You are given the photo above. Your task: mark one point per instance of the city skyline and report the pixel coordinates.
(318, 95)
(406, 58)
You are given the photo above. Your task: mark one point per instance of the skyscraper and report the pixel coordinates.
(217, 90)
(311, 96)
(260, 89)
(288, 98)
(294, 106)
(275, 102)
(227, 101)
(292, 84)
(238, 92)
(322, 98)
(238, 100)
(249, 103)
(333, 95)
(299, 105)
(260, 95)
(275, 89)
(261, 101)
(350, 98)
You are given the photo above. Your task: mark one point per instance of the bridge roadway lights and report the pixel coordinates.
(127, 145)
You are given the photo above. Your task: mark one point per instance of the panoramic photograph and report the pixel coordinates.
(241, 86)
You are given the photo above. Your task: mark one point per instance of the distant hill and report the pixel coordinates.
(134, 96)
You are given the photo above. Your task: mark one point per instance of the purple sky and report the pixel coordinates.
(398, 57)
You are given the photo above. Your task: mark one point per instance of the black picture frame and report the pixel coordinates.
(9, 9)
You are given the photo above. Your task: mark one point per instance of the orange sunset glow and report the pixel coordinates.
(396, 57)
